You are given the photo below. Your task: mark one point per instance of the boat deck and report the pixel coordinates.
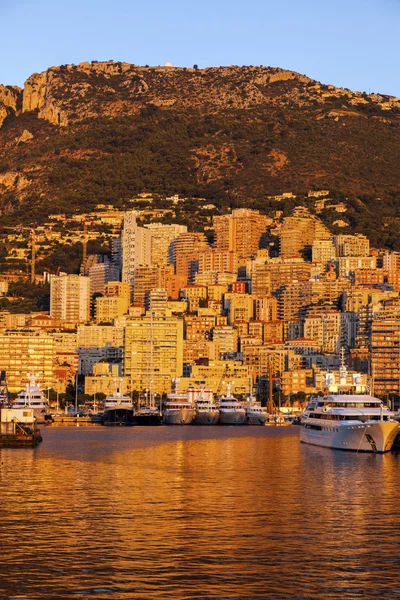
(12, 440)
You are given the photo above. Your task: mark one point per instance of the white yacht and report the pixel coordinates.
(206, 411)
(32, 397)
(231, 411)
(255, 413)
(118, 409)
(178, 409)
(350, 422)
(348, 418)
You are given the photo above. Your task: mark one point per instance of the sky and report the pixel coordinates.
(347, 43)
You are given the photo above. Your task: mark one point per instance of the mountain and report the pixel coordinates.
(79, 135)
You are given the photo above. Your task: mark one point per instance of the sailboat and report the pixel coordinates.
(148, 414)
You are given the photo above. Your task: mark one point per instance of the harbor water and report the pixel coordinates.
(207, 513)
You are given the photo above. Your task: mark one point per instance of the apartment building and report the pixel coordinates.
(70, 298)
(153, 352)
(241, 232)
(23, 352)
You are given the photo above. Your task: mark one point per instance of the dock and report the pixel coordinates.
(76, 420)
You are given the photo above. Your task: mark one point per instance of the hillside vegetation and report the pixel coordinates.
(79, 135)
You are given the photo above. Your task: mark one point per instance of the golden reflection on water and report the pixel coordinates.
(192, 512)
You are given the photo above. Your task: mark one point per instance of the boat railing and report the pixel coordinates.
(21, 428)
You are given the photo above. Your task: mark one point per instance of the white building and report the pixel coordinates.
(162, 237)
(136, 246)
(70, 298)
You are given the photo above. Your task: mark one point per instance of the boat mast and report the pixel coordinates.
(270, 389)
(151, 361)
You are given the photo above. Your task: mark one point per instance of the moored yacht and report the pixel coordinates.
(255, 413)
(178, 409)
(118, 409)
(347, 417)
(350, 422)
(148, 414)
(32, 397)
(231, 411)
(206, 411)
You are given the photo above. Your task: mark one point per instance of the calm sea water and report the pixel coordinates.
(199, 513)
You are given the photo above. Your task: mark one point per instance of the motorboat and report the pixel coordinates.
(118, 409)
(206, 410)
(347, 417)
(255, 413)
(231, 410)
(358, 422)
(32, 397)
(178, 408)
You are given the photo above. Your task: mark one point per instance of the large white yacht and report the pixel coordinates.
(231, 411)
(118, 409)
(255, 413)
(178, 409)
(32, 397)
(206, 411)
(349, 419)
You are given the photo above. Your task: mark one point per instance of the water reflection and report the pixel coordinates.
(206, 513)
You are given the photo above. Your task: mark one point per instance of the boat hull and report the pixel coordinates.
(233, 417)
(148, 419)
(182, 416)
(376, 437)
(206, 417)
(256, 418)
(118, 417)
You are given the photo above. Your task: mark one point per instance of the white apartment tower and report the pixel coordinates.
(136, 246)
(162, 237)
(70, 298)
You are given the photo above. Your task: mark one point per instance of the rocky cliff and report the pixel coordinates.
(74, 92)
(10, 101)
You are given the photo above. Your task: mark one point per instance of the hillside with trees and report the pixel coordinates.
(80, 135)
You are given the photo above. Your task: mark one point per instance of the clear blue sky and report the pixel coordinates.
(349, 43)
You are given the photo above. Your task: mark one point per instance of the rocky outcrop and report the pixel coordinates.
(71, 93)
(39, 94)
(10, 99)
(25, 136)
(13, 180)
(75, 92)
